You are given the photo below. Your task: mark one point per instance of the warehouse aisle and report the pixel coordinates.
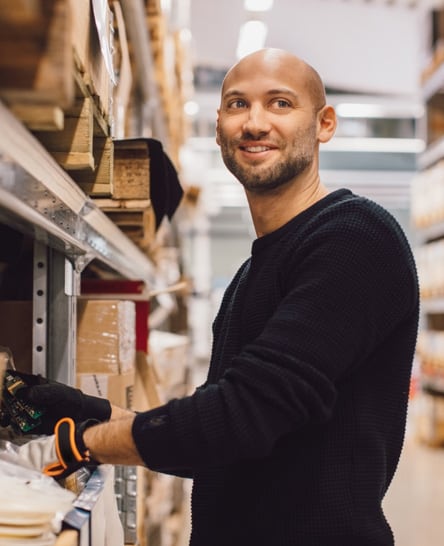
(415, 501)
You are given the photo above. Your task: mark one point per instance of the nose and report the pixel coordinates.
(256, 123)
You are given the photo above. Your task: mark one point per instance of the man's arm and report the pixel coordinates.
(120, 413)
(112, 442)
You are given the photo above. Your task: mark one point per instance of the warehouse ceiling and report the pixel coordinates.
(357, 45)
(368, 50)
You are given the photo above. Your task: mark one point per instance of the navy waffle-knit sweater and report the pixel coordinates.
(295, 436)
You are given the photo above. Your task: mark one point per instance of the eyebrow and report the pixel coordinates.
(271, 92)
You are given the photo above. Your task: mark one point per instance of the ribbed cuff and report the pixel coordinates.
(94, 407)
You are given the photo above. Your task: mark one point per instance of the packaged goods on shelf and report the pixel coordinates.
(3, 364)
(430, 348)
(116, 387)
(106, 336)
(429, 419)
(430, 265)
(32, 505)
(427, 196)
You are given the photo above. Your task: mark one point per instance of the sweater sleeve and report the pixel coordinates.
(346, 292)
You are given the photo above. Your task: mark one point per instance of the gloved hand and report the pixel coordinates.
(56, 401)
(60, 454)
(70, 448)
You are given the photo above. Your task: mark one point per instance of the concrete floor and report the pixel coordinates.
(414, 504)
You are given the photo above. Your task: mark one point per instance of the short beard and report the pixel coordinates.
(269, 179)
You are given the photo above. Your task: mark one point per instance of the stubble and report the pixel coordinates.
(296, 158)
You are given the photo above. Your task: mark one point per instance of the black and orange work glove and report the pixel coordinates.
(53, 401)
(70, 448)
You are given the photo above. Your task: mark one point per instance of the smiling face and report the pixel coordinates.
(268, 121)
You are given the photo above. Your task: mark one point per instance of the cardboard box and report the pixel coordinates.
(146, 394)
(169, 353)
(117, 388)
(16, 332)
(106, 336)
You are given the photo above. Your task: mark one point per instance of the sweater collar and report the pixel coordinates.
(299, 219)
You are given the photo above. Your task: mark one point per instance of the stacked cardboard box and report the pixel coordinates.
(106, 349)
(170, 356)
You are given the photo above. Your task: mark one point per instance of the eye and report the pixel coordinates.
(236, 104)
(281, 103)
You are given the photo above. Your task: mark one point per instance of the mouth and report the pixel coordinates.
(256, 149)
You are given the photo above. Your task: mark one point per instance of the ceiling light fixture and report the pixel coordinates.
(362, 110)
(258, 5)
(251, 37)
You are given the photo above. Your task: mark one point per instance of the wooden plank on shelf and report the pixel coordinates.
(134, 217)
(153, 7)
(101, 122)
(37, 58)
(131, 169)
(99, 181)
(72, 147)
(112, 204)
(40, 117)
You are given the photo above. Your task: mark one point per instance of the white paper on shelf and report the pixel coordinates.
(99, 9)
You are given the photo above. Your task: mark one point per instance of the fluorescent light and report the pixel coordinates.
(362, 110)
(251, 37)
(258, 5)
(388, 145)
(165, 6)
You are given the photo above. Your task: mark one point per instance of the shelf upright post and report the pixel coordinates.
(63, 290)
(40, 309)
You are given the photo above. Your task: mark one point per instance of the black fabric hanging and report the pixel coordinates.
(165, 189)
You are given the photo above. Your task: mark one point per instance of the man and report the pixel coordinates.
(296, 434)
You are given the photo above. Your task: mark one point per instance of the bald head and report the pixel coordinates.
(271, 59)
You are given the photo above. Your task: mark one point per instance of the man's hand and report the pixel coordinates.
(70, 448)
(57, 400)
(62, 453)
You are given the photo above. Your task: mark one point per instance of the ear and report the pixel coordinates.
(327, 123)
(217, 127)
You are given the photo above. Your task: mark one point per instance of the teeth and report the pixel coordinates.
(257, 148)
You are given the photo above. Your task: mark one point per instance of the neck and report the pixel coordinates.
(272, 210)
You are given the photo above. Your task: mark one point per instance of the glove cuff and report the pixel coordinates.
(95, 408)
(80, 429)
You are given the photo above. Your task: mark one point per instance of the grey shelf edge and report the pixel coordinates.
(435, 84)
(37, 191)
(90, 505)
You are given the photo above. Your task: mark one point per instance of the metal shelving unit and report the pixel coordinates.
(38, 195)
(39, 198)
